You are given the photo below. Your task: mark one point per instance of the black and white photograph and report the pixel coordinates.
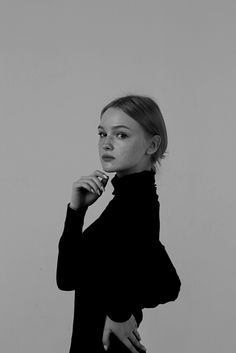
(117, 181)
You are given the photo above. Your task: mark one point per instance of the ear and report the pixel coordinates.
(154, 144)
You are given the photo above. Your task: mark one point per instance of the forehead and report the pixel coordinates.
(114, 116)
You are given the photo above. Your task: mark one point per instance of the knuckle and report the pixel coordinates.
(131, 347)
(98, 183)
(83, 178)
(94, 179)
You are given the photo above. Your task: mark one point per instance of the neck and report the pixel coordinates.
(134, 183)
(122, 173)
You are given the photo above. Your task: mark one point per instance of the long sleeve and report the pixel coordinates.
(162, 279)
(71, 250)
(136, 277)
(132, 237)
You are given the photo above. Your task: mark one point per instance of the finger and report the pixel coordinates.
(136, 343)
(93, 185)
(87, 187)
(129, 345)
(137, 335)
(99, 186)
(98, 183)
(104, 181)
(103, 178)
(100, 174)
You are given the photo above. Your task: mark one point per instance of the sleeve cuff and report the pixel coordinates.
(119, 315)
(73, 215)
(74, 218)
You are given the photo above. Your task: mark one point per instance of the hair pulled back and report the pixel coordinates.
(147, 113)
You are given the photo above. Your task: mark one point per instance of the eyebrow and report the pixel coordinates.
(115, 127)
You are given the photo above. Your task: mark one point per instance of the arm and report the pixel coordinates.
(127, 260)
(72, 246)
(137, 279)
(161, 281)
(70, 255)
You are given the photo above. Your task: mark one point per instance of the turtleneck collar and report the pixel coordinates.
(141, 181)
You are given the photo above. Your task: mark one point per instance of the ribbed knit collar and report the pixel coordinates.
(135, 182)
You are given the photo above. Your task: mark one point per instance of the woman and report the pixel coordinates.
(113, 265)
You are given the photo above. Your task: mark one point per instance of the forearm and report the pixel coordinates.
(70, 249)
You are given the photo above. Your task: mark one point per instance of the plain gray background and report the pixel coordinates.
(61, 62)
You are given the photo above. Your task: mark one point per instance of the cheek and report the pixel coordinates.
(132, 150)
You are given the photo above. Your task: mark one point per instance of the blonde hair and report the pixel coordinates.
(147, 113)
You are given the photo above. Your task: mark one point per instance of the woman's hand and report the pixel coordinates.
(87, 189)
(126, 331)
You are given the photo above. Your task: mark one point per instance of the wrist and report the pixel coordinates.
(73, 207)
(76, 207)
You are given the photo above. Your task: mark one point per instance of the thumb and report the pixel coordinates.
(105, 180)
(106, 340)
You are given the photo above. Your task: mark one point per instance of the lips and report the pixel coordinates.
(106, 157)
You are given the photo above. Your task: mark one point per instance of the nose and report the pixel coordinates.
(107, 144)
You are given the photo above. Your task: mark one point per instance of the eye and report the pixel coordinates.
(119, 135)
(101, 134)
(122, 135)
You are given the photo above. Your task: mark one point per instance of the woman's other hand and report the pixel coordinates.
(87, 189)
(125, 331)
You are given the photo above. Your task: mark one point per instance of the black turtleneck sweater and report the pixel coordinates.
(112, 265)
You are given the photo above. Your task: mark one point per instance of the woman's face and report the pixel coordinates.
(124, 139)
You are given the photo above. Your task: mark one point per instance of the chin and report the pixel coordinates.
(108, 169)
